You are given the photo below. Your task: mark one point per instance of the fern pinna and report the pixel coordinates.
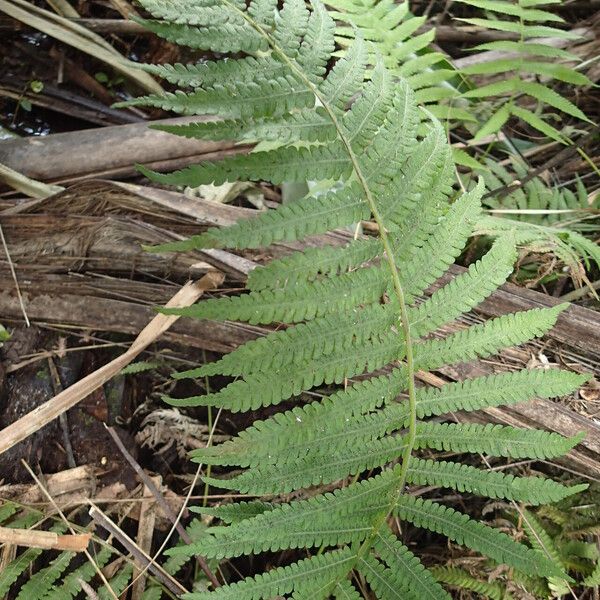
(349, 311)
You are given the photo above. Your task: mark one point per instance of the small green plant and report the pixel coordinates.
(524, 62)
(4, 335)
(352, 314)
(543, 219)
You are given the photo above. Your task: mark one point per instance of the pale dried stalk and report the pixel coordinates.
(47, 540)
(50, 410)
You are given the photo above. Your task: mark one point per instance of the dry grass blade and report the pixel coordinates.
(77, 36)
(45, 413)
(25, 185)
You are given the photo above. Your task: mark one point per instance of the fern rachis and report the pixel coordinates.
(351, 312)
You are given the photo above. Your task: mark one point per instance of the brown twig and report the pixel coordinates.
(162, 503)
(64, 424)
(68, 524)
(168, 581)
(14, 276)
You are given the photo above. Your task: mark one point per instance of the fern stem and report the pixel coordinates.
(399, 291)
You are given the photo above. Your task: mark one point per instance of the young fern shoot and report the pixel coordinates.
(350, 311)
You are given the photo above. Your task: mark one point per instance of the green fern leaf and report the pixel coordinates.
(307, 265)
(289, 305)
(264, 389)
(486, 339)
(117, 584)
(40, 583)
(464, 478)
(477, 536)
(318, 570)
(289, 222)
(344, 590)
(225, 38)
(70, 585)
(335, 518)
(494, 440)
(17, 567)
(404, 570)
(303, 343)
(463, 580)
(544, 94)
(467, 290)
(340, 116)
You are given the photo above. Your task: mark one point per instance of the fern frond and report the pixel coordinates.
(323, 426)
(467, 290)
(463, 580)
(228, 37)
(309, 264)
(522, 60)
(314, 468)
(488, 338)
(303, 124)
(327, 161)
(266, 388)
(117, 584)
(211, 72)
(318, 570)
(340, 517)
(303, 343)
(70, 585)
(464, 531)
(341, 117)
(14, 569)
(233, 513)
(539, 537)
(429, 261)
(494, 440)
(40, 583)
(296, 431)
(289, 222)
(344, 590)
(493, 484)
(404, 571)
(365, 286)
(7, 510)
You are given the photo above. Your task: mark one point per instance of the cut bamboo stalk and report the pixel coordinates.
(46, 540)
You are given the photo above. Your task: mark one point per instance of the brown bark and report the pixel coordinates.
(108, 150)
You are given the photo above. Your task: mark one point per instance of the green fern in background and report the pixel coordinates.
(543, 219)
(350, 311)
(64, 573)
(521, 64)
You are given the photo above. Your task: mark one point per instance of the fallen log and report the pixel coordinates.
(112, 150)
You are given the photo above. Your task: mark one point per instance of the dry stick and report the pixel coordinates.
(162, 503)
(46, 540)
(47, 412)
(14, 276)
(64, 424)
(101, 519)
